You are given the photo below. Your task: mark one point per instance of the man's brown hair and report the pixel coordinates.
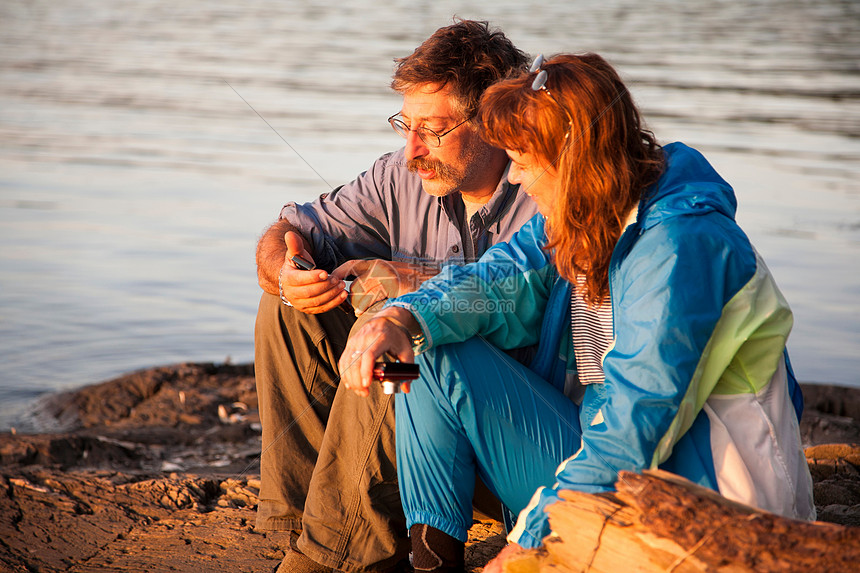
(466, 56)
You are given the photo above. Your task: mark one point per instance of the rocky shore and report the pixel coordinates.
(158, 471)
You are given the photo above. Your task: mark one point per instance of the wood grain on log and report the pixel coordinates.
(657, 521)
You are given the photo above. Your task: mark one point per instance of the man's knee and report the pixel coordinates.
(278, 325)
(268, 315)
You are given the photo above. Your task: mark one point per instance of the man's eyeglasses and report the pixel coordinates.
(427, 135)
(539, 83)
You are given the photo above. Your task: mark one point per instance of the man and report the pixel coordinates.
(328, 472)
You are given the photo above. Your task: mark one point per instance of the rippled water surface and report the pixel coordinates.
(135, 177)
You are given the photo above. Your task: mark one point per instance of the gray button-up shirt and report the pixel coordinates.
(385, 214)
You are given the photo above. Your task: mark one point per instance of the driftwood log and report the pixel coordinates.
(661, 522)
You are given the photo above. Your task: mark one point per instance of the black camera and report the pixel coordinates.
(392, 374)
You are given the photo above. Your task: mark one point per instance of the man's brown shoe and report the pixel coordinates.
(297, 562)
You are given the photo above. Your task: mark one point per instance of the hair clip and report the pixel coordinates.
(539, 83)
(540, 79)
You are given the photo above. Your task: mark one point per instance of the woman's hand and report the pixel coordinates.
(377, 279)
(380, 338)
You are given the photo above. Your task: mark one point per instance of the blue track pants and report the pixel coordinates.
(475, 410)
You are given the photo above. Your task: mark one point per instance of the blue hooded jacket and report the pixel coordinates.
(697, 380)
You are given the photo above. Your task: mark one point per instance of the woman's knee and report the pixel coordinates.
(456, 358)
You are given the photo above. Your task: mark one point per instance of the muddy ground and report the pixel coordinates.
(158, 471)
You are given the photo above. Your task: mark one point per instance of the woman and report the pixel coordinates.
(661, 332)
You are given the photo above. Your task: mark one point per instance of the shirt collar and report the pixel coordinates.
(492, 209)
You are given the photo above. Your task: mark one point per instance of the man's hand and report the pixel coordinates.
(271, 252)
(377, 280)
(313, 291)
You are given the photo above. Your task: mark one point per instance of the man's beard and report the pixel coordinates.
(447, 178)
(450, 179)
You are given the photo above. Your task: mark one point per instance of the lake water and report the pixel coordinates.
(134, 179)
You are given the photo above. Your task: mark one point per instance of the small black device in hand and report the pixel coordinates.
(306, 265)
(303, 264)
(392, 374)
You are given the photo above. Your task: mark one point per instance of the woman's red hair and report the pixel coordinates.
(605, 164)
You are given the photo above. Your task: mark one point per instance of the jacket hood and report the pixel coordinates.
(688, 186)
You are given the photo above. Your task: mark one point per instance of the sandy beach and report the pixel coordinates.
(158, 471)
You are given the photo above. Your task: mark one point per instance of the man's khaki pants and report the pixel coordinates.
(328, 471)
(327, 467)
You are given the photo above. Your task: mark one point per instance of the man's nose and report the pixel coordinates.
(415, 148)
